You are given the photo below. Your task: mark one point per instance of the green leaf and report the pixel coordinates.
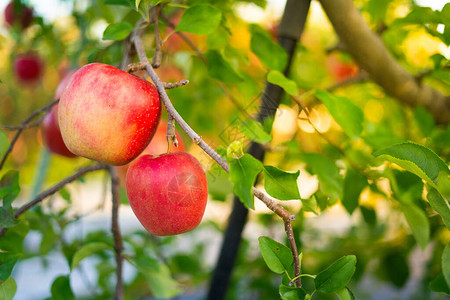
(446, 264)
(421, 161)
(65, 194)
(331, 181)
(345, 294)
(9, 190)
(278, 78)
(243, 172)
(349, 116)
(159, 277)
(369, 215)
(354, 183)
(117, 31)
(137, 2)
(310, 204)
(439, 205)
(9, 186)
(439, 285)
(4, 144)
(8, 289)
(271, 54)
(118, 2)
(277, 256)
(200, 19)
(255, 131)
(61, 289)
(336, 276)
(88, 250)
(291, 293)
(418, 221)
(220, 69)
(424, 120)
(7, 263)
(280, 184)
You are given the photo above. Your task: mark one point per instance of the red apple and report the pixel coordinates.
(158, 145)
(108, 115)
(52, 135)
(15, 11)
(167, 193)
(28, 68)
(50, 126)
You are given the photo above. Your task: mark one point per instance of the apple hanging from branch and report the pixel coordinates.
(158, 145)
(108, 115)
(167, 193)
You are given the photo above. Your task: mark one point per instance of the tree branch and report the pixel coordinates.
(25, 124)
(115, 228)
(55, 189)
(278, 209)
(371, 54)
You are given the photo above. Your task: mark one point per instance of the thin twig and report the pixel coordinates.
(115, 228)
(25, 122)
(293, 246)
(156, 62)
(55, 189)
(171, 137)
(134, 67)
(172, 85)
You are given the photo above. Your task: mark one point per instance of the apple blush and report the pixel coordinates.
(167, 193)
(108, 115)
(50, 126)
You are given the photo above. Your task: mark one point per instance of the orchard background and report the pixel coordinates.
(359, 106)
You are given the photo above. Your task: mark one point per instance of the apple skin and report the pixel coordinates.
(52, 135)
(50, 126)
(167, 193)
(28, 68)
(22, 14)
(157, 146)
(108, 115)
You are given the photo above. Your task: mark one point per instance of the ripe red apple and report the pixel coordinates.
(50, 126)
(157, 146)
(108, 115)
(167, 193)
(16, 11)
(52, 135)
(28, 67)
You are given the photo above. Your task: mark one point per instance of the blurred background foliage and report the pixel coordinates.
(391, 264)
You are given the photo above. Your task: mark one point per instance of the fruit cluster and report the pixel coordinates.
(111, 116)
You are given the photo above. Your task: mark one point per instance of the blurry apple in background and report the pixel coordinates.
(167, 193)
(341, 69)
(108, 115)
(17, 12)
(28, 68)
(51, 133)
(158, 145)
